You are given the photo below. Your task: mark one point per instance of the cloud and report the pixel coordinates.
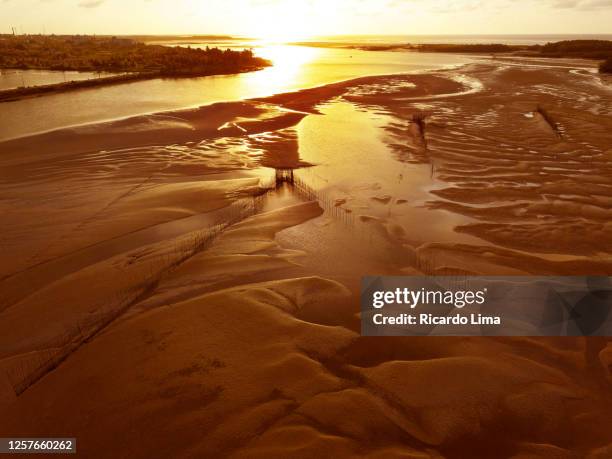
(583, 4)
(90, 3)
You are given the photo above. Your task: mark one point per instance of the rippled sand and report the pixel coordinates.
(158, 290)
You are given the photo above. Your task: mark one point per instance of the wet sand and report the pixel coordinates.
(158, 289)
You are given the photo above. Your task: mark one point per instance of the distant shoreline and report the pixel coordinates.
(597, 50)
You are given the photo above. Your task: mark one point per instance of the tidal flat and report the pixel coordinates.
(155, 272)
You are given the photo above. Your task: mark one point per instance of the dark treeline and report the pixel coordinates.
(591, 49)
(111, 54)
(586, 49)
(583, 49)
(467, 48)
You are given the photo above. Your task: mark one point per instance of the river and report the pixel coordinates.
(294, 67)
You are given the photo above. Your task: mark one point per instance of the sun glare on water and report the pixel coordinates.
(288, 64)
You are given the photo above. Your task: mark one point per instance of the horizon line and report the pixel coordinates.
(231, 35)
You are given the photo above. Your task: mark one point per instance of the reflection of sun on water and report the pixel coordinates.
(288, 61)
(288, 57)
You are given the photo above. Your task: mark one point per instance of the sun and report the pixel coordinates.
(283, 22)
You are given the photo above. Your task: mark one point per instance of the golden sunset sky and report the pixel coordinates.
(296, 19)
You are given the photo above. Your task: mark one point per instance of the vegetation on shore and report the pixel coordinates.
(581, 49)
(181, 38)
(120, 55)
(586, 49)
(468, 48)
